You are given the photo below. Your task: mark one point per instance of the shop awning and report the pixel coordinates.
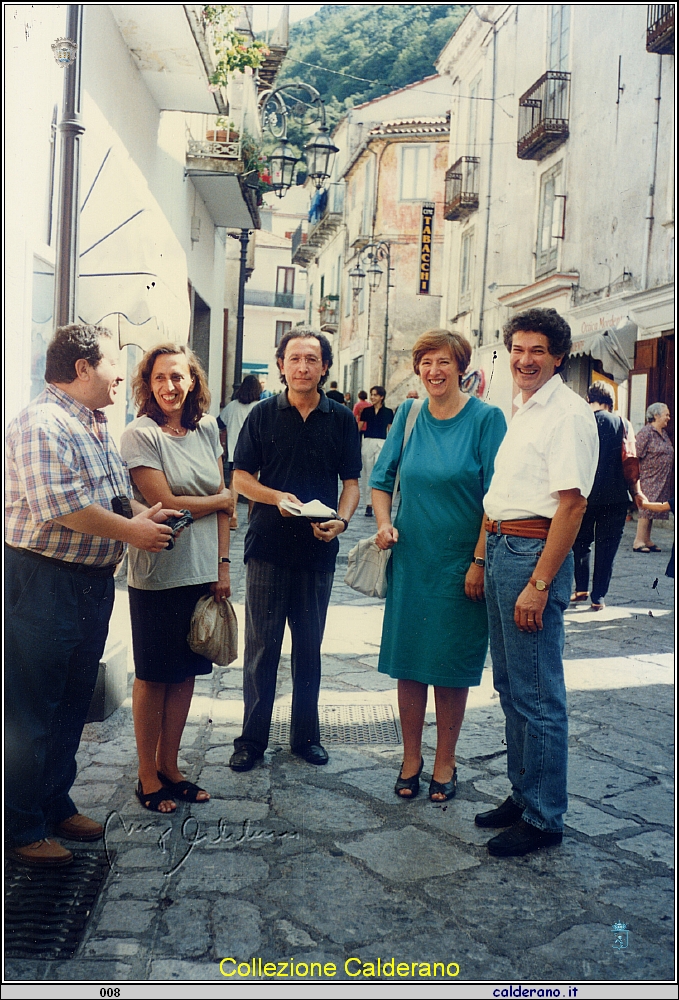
(133, 274)
(614, 348)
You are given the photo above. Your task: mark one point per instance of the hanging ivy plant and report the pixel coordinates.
(231, 48)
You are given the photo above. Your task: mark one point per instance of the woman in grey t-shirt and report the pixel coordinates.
(172, 450)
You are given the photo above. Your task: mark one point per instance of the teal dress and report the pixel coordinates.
(432, 633)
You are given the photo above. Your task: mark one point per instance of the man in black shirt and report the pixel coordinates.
(374, 423)
(334, 393)
(299, 443)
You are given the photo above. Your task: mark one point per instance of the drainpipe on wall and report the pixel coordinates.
(651, 184)
(484, 271)
(240, 314)
(71, 128)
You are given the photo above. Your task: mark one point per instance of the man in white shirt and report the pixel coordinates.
(544, 470)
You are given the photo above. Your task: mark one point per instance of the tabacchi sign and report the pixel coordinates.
(425, 248)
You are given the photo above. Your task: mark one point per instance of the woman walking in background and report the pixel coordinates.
(232, 417)
(656, 464)
(374, 423)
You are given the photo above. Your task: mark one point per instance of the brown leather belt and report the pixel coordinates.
(525, 527)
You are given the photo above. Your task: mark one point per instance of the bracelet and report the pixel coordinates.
(224, 559)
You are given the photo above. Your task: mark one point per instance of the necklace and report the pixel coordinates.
(173, 430)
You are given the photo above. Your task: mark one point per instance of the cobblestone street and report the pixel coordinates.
(322, 864)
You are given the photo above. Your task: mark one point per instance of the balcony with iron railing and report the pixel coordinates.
(462, 188)
(302, 253)
(210, 138)
(543, 116)
(660, 28)
(326, 214)
(329, 313)
(274, 300)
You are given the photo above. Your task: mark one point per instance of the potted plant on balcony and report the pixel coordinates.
(224, 131)
(232, 50)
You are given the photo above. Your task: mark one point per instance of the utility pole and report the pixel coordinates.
(71, 128)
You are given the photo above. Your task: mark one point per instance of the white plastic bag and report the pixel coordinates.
(367, 568)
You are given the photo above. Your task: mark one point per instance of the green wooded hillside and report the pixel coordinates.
(392, 44)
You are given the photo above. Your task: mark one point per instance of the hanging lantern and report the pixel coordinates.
(320, 153)
(374, 273)
(65, 51)
(357, 277)
(282, 163)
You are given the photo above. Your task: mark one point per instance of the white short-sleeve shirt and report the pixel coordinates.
(551, 444)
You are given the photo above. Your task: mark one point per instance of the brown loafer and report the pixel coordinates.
(79, 827)
(42, 852)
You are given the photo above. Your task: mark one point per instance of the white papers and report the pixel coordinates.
(314, 509)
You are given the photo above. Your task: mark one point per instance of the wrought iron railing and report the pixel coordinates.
(660, 28)
(206, 139)
(278, 300)
(543, 115)
(462, 188)
(329, 311)
(299, 238)
(329, 201)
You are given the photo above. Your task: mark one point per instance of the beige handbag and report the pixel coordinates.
(366, 563)
(214, 631)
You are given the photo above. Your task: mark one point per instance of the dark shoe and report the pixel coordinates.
(368, 511)
(641, 548)
(445, 788)
(597, 606)
(654, 548)
(504, 815)
(152, 800)
(43, 853)
(522, 838)
(579, 596)
(185, 790)
(244, 759)
(79, 827)
(408, 784)
(312, 753)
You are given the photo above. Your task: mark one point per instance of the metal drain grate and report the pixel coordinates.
(343, 724)
(46, 911)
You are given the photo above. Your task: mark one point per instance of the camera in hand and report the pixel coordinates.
(177, 523)
(121, 505)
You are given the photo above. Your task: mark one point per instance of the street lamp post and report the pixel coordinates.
(302, 102)
(371, 255)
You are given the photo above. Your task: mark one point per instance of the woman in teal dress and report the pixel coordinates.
(435, 627)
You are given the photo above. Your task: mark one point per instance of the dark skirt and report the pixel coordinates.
(160, 625)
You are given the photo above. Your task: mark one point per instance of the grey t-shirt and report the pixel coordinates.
(191, 467)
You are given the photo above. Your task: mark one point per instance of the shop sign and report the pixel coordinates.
(425, 248)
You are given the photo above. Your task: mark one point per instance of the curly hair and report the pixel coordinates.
(198, 400)
(305, 333)
(655, 410)
(544, 321)
(68, 345)
(436, 340)
(601, 393)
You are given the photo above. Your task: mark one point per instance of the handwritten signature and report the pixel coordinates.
(191, 833)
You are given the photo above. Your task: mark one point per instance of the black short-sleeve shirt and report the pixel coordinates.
(304, 457)
(377, 422)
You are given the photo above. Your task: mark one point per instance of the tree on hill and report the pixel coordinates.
(366, 50)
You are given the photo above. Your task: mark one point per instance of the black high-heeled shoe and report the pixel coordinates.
(445, 788)
(408, 784)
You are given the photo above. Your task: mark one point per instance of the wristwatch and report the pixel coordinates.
(539, 584)
(343, 520)
(225, 559)
(478, 561)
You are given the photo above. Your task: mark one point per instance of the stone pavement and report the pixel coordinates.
(322, 864)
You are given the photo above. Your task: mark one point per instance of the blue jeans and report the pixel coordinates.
(56, 623)
(528, 676)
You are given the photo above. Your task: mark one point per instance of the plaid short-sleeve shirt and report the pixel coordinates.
(61, 459)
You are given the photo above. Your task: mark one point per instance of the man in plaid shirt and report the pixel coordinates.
(65, 480)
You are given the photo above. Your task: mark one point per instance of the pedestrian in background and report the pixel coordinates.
(361, 405)
(656, 464)
(375, 421)
(173, 453)
(435, 624)
(604, 520)
(333, 393)
(232, 418)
